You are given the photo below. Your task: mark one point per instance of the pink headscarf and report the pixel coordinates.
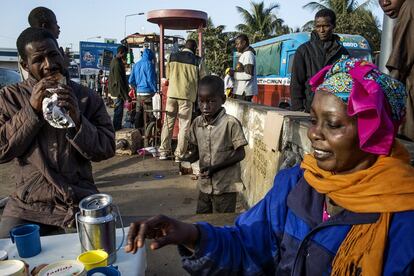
(376, 99)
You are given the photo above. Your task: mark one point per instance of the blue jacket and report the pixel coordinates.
(143, 76)
(284, 234)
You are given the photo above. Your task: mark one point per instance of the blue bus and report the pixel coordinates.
(274, 60)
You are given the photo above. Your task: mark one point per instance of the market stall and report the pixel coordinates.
(176, 19)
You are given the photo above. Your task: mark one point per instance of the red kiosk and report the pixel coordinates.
(176, 19)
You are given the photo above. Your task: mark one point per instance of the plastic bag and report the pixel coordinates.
(151, 150)
(156, 105)
(56, 116)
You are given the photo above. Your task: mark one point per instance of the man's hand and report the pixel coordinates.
(39, 92)
(68, 100)
(239, 67)
(163, 230)
(191, 156)
(206, 172)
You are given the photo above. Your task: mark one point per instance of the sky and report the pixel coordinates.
(82, 20)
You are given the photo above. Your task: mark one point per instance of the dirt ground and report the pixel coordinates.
(137, 189)
(143, 187)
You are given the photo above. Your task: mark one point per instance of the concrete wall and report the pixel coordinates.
(262, 159)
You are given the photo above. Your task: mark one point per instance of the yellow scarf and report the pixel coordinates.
(385, 187)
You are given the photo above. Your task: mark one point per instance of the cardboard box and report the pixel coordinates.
(133, 139)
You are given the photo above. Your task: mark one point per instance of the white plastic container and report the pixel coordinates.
(64, 268)
(12, 268)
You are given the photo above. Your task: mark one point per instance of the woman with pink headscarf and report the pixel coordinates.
(348, 209)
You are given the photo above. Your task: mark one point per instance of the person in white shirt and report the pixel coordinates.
(245, 80)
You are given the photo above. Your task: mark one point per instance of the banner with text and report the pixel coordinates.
(92, 56)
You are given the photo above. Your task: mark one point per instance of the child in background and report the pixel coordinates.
(228, 82)
(220, 142)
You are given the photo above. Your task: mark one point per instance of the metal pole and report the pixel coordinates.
(386, 42)
(128, 15)
(162, 51)
(125, 26)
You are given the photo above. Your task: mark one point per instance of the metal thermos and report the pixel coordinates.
(96, 223)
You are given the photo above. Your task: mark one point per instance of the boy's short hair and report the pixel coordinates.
(41, 15)
(32, 35)
(327, 13)
(215, 84)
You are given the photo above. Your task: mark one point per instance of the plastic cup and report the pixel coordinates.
(27, 239)
(93, 258)
(107, 271)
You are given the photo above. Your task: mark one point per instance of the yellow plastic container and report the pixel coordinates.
(93, 258)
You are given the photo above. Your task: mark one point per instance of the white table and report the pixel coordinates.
(67, 247)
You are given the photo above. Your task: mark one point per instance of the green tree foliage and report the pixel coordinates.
(352, 18)
(261, 22)
(218, 47)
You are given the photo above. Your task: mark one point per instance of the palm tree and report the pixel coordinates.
(352, 18)
(308, 27)
(339, 6)
(217, 46)
(260, 22)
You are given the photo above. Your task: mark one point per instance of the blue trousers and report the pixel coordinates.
(118, 113)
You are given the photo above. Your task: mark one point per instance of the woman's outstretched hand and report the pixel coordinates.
(163, 231)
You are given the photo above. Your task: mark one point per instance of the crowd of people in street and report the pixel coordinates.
(346, 209)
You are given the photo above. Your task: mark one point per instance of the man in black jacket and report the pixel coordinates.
(118, 85)
(324, 48)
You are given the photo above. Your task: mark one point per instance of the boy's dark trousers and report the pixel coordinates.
(223, 203)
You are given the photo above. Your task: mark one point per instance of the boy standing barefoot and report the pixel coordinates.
(220, 145)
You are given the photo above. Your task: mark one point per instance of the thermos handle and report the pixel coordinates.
(122, 225)
(76, 221)
(77, 230)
